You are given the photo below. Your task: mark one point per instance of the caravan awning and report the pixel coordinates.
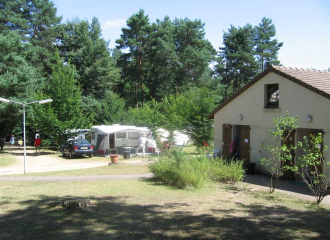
(107, 129)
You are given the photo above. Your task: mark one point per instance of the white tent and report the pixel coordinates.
(179, 138)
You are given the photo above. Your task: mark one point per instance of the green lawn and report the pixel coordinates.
(144, 209)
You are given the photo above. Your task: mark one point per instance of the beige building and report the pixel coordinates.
(248, 115)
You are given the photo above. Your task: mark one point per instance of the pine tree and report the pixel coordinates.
(83, 46)
(164, 57)
(135, 38)
(193, 51)
(18, 79)
(162, 60)
(37, 23)
(267, 48)
(238, 65)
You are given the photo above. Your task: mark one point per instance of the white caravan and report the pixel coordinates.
(109, 139)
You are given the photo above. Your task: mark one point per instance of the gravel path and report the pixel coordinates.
(78, 178)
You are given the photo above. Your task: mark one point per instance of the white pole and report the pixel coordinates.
(40, 102)
(24, 142)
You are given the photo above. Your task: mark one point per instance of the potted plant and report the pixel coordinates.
(114, 158)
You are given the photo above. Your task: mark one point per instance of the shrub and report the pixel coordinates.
(226, 172)
(280, 151)
(314, 170)
(179, 169)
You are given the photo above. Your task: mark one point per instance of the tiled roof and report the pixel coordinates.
(320, 80)
(315, 80)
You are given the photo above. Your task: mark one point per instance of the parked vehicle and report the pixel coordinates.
(79, 147)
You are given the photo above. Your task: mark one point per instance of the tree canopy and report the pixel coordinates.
(159, 74)
(247, 51)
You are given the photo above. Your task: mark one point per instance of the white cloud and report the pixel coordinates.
(114, 23)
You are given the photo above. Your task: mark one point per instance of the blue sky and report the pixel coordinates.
(303, 25)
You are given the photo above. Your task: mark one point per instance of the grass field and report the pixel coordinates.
(144, 209)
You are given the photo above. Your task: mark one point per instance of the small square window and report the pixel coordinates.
(134, 135)
(121, 135)
(272, 96)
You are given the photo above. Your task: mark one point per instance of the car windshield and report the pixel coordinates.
(83, 141)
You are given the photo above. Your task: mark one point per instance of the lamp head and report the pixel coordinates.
(45, 101)
(4, 100)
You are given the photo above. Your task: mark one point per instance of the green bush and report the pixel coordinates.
(226, 172)
(182, 170)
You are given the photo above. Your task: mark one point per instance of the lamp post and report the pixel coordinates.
(24, 104)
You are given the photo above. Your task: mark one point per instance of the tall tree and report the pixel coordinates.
(11, 16)
(65, 112)
(82, 44)
(267, 47)
(247, 50)
(162, 59)
(238, 64)
(135, 38)
(18, 79)
(193, 50)
(37, 23)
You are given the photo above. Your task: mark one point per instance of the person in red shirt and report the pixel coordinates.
(37, 144)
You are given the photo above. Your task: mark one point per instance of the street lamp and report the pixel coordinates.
(24, 104)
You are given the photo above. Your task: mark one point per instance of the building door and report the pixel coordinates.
(244, 143)
(226, 139)
(290, 141)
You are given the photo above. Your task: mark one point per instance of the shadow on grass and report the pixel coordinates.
(113, 218)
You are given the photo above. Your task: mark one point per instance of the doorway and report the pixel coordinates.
(226, 140)
(241, 134)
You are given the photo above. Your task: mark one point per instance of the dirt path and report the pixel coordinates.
(49, 161)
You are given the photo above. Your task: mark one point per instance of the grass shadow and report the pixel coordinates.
(114, 218)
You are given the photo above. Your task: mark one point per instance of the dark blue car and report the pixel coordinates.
(80, 147)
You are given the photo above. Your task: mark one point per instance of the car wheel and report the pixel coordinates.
(90, 156)
(70, 154)
(63, 154)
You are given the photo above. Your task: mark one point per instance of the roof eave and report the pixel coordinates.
(270, 68)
